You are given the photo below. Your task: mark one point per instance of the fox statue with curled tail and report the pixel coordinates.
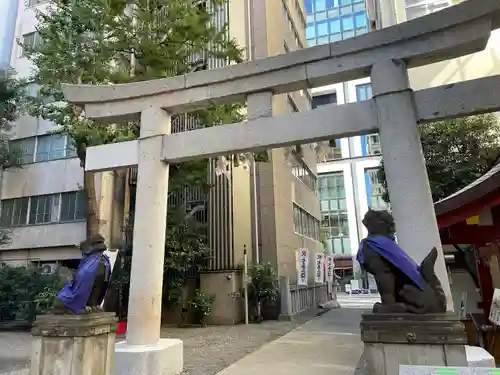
(404, 286)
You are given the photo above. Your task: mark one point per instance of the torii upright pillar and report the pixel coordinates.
(144, 352)
(411, 200)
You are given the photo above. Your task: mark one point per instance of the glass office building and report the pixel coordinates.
(333, 20)
(330, 21)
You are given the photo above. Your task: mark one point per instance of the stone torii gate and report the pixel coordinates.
(395, 111)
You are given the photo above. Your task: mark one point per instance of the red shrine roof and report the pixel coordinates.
(473, 199)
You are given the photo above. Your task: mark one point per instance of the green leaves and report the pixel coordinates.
(25, 292)
(119, 41)
(185, 243)
(13, 100)
(457, 152)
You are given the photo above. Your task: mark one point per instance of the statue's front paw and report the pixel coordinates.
(87, 310)
(382, 308)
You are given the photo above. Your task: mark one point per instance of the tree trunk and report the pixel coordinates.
(92, 205)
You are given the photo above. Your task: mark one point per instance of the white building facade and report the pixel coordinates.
(42, 200)
(8, 15)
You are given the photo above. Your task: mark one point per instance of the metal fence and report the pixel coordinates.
(296, 299)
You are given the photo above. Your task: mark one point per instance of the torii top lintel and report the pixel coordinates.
(455, 31)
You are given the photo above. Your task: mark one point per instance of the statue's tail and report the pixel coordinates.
(429, 275)
(427, 266)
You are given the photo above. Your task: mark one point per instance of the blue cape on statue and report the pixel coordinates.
(390, 251)
(75, 294)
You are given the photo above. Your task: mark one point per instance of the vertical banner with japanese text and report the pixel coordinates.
(329, 268)
(303, 267)
(319, 275)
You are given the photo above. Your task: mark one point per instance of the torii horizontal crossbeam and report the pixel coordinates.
(453, 32)
(324, 123)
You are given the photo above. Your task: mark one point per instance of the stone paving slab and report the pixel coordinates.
(327, 345)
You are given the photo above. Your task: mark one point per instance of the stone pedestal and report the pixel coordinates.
(391, 340)
(73, 345)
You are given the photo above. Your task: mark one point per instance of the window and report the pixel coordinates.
(310, 32)
(42, 209)
(363, 92)
(7, 212)
(375, 190)
(32, 3)
(25, 148)
(44, 148)
(304, 223)
(333, 209)
(304, 174)
(419, 8)
(293, 29)
(31, 40)
(319, 100)
(334, 152)
(73, 206)
(50, 147)
(20, 211)
(329, 21)
(370, 144)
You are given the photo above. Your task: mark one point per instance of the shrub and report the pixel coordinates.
(25, 292)
(202, 304)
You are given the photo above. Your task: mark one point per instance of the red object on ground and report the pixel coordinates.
(121, 328)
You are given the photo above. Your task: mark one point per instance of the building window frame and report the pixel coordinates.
(72, 206)
(428, 7)
(304, 223)
(303, 173)
(37, 41)
(34, 3)
(29, 148)
(43, 209)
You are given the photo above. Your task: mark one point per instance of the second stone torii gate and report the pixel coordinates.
(395, 111)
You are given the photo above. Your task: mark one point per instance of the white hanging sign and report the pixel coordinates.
(319, 274)
(495, 308)
(303, 267)
(330, 265)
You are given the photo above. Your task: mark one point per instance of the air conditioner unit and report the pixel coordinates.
(48, 269)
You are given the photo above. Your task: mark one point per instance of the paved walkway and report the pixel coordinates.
(15, 349)
(327, 345)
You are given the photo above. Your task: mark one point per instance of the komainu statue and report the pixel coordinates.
(86, 291)
(404, 286)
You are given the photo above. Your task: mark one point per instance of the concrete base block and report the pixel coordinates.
(391, 340)
(162, 358)
(479, 357)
